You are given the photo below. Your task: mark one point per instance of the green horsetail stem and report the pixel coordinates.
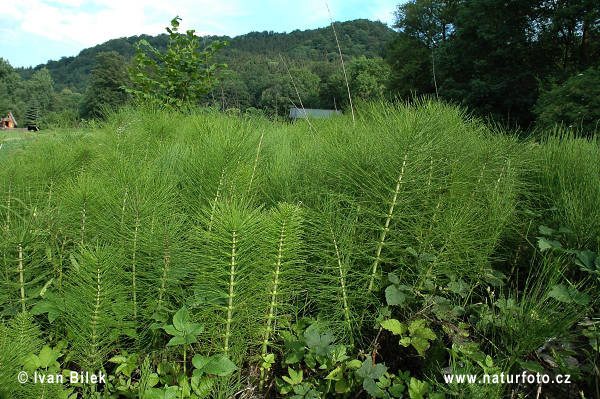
(133, 265)
(230, 296)
(343, 286)
(123, 207)
(8, 201)
(21, 280)
(96, 309)
(83, 220)
(271, 315)
(256, 161)
(386, 226)
(50, 219)
(214, 204)
(163, 279)
(478, 180)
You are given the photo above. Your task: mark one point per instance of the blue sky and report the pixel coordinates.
(34, 31)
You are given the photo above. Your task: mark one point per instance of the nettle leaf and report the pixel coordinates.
(47, 306)
(565, 294)
(295, 377)
(368, 370)
(458, 287)
(372, 389)
(546, 231)
(420, 336)
(393, 278)
(417, 389)
(320, 343)
(48, 356)
(394, 326)
(396, 390)
(545, 244)
(394, 296)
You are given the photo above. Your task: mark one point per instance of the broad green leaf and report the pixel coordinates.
(396, 390)
(417, 389)
(368, 370)
(118, 359)
(202, 386)
(172, 331)
(176, 341)
(545, 244)
(219, 365)
(31, 363)
(459, 287)
(394, 326)
(193, 328)
(587, 260)
(372, 389)
(420, 344)
(393, 278)
(48, 356)
(566, 294)
(546, 231)
(320, 343)
(335, 374)
(394, 296)
(342, 386)
(199, 361)
(181, 318)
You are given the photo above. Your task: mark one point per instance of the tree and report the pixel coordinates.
(488, 63)
(411, 66)
(429, 21)
(41, 88)
(423, 26)
(33, 115)
(11, 94)
(368, 80)
(575, 103)
(106, 89)
(180, 76)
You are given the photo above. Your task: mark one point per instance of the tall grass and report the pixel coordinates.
(250, 223)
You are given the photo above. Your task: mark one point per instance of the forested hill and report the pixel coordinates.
(357, 38)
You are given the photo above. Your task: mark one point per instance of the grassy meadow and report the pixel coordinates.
(328, 259)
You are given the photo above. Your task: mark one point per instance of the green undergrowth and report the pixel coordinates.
(209, 255)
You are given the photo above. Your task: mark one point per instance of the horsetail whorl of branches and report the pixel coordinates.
(386, 226)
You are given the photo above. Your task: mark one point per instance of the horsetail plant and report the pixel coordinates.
(386, 226)
(284, 230)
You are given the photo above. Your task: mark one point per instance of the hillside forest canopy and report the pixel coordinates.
(523, 64)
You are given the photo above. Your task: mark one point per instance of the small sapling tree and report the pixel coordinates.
(179, 76)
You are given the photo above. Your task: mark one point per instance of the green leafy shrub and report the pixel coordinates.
(573, 104)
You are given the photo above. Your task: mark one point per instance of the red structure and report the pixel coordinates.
(9, 122)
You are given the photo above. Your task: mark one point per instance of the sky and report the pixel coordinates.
(35, 31)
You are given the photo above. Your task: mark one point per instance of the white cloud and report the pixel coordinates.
(85, 23)
(89, 23)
